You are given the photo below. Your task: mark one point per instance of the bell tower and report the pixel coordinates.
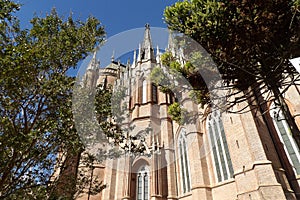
(143, 176)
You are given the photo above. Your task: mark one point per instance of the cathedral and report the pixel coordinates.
(217, 156)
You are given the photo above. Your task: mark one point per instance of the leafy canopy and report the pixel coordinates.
(35, 102)
(251, 41)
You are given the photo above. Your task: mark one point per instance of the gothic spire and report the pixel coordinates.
(147, 52)
(94, 64)
(171, 44)
(147, 38)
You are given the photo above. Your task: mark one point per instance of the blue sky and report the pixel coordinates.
(115, 15)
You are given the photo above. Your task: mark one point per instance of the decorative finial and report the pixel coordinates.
(140, 53)
(134, 57)
(128, 61)
(157, 54)
(113, 56)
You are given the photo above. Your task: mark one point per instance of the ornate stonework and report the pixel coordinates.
(220, 156)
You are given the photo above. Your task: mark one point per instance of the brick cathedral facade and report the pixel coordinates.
(220, 156)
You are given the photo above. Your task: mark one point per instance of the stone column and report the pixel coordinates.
(168, 141)
(200, 184)
(127, 178)
(154, 181)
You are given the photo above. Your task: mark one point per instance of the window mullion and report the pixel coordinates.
(216, 137)
(283, 131)
(292, 141)
(223, 142)
(186, 161)
(182, 166)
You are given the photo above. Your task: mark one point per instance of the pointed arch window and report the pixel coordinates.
(218, 143)
(143, 183)
(285, 135)
(184, 162)
(144, 91)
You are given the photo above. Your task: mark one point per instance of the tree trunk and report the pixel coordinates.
(66, 184)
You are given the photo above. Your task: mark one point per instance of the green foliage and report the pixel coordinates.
(242, 38)
(296, 5)
(240, 35)
(175, 65)
(200, 97)
(87, 182)
(101, 114)
(7, 20)
(36, 97)
(112, 113)
(177, 113)
(7, 8)
(199, 91)
(103, 106)
(250, 41)
(166, 58)
(188, 68)
(159, 78)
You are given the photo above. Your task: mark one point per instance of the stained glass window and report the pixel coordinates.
(285, 135)
(184, 162)
(218, 143)
(143, 183)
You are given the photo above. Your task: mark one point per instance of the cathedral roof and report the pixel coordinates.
(113, 68)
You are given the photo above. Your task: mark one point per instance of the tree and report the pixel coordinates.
(251, 42)
(35, 103)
